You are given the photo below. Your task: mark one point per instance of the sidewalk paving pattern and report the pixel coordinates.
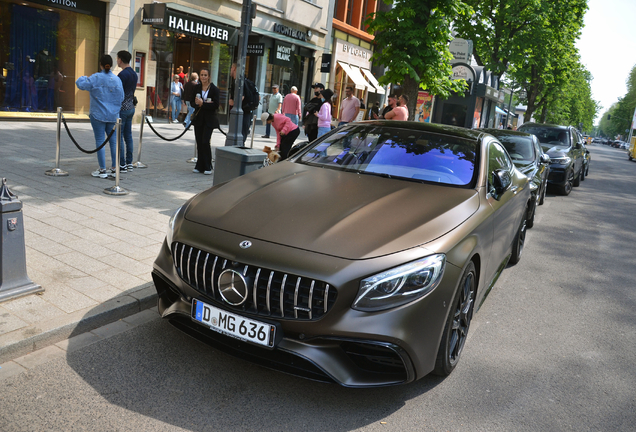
(91, 252)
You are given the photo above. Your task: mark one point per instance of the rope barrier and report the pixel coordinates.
(79, 147)
(176, 138)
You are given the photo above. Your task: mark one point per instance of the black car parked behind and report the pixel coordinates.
(564, 146)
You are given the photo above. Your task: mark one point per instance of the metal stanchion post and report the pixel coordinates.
(57, 172)
(116, 190)
(253, 130)
(138, 164)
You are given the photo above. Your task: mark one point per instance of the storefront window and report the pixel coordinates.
(42, 52)
(169, 51)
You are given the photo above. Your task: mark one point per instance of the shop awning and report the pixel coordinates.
(356, 70)
(499, 110)
(356, 77)
(373, 81)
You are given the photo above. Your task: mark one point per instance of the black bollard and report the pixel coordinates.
(14, 281)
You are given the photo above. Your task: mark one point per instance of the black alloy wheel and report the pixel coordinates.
(457, 324)
(577, 179)
(519, 243)
(567, 187)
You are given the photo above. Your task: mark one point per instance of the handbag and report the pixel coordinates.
(134, 100)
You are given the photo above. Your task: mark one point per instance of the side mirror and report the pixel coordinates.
(501, 181)
(544, 158)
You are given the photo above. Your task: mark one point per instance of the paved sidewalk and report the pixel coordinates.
(91, 252)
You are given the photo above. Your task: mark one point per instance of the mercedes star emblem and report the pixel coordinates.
(232, 287)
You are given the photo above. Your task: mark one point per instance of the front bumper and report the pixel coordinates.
(558, 174)
(351, 348)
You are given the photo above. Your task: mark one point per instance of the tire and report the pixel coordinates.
(457, 323)
(530, 218)
(587, 170)
(567, 187)
(583, 174)
(519, 243)
(577, 179)
(542, 199)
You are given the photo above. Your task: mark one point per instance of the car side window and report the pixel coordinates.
(497, 159)
(574, 137)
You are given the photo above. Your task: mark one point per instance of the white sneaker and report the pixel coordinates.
(207, 172)
(101, 173)
(196, 171)
(130, 167)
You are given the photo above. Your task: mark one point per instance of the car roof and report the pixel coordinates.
(504, 132)
(455, 131)
(546, 125)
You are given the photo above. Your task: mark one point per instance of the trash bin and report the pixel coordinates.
(231, 162)
(14, 281)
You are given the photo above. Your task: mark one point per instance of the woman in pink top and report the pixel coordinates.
(286, 132)
(324, 115)
(400, 112)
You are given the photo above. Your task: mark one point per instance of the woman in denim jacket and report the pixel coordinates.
(107, 94)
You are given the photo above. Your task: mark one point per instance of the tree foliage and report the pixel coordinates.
(413, 43)
(623, 110)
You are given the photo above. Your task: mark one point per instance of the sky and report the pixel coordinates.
(608, 48)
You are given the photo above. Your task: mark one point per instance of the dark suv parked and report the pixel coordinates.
(564, 146)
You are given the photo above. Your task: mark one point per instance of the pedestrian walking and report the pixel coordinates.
(207, 99)
(106, 95)
(273, 107)
(324, 115)
(349, 107)
(291, 105)
(286, 132)
(310, 121)
(188, 93)
(128, 79)
(176, 88)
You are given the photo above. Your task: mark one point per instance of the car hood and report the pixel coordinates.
(555, 151)
(332, 212)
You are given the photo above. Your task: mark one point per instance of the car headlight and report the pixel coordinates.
(561, 161)
(400, 285)
(171, 223)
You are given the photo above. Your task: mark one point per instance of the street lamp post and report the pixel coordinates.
(235, 134)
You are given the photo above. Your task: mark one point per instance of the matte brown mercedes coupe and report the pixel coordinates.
(360, 260)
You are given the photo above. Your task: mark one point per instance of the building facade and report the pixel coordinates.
(48, 44)
(352, 48)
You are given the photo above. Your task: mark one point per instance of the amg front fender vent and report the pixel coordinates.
(270, 293)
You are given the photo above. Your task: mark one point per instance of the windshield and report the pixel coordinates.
(519, 148)
(552, 136)
(396, 153)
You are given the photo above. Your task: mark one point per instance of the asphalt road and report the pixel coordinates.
(552, 349)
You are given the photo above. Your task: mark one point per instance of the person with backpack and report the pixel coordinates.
(251, 101)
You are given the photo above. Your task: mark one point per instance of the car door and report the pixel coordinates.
(504, 207)
(542, 168)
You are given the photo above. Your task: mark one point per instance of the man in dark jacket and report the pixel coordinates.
(310, 121)
(247, 114)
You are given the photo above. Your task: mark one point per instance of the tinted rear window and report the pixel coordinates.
(519, 148)
(397, 153)
(548, 135)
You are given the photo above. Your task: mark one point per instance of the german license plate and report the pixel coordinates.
(233, 325)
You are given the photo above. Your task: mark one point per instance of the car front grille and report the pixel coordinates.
(271, 293)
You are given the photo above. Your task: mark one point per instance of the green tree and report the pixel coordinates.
(530, 40)
(413, 43)
(572, 103)
(622, 115)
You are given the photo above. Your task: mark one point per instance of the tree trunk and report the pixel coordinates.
(410, 88)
